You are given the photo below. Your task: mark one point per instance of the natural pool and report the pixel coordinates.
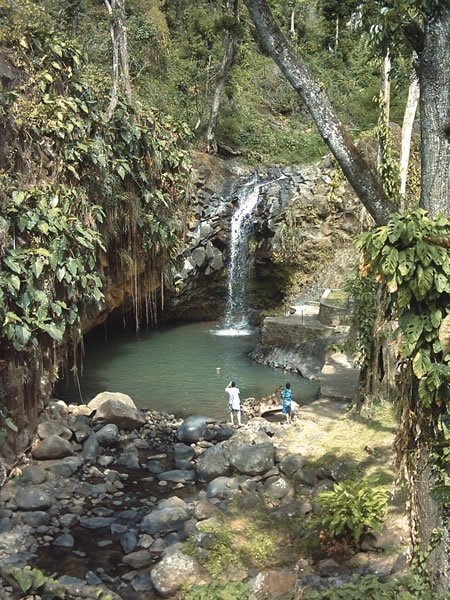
(173, 368)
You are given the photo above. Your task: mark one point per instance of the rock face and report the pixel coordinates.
(253, 459)
(200, 283)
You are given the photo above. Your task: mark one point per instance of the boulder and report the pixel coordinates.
(121, 414)
(177, 475)
(48, 428)
(223, 487)
(183, 451)
(91, 447)
(52, 447)
(291, 464)
(129, 458)
(32, 499)
(253, 459)
(64, 541)
(128, 540)
(138, 559)
(173, 571)
(192, 429)
(212, 463)
(276, 488)
(34, 475)
(164, 520)
(99, 399)
(108, 435)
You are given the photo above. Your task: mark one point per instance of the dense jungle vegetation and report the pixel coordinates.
(101, 103)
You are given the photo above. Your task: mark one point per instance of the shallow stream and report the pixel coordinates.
(175, 368)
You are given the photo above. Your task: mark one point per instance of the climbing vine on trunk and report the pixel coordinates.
(410, 258)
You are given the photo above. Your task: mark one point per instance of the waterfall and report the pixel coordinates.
(235, 321)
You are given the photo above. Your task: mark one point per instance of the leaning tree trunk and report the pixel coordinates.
(365, 183)
(225, 68)
(434, 81)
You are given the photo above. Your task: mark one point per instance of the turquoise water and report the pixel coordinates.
(174, 368)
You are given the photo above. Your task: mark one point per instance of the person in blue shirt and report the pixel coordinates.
(286, 395)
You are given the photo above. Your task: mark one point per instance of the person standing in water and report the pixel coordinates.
(286, 395)
(234, 402)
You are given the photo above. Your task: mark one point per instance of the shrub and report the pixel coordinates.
(369, 588)
(220, 591)
(351, 508)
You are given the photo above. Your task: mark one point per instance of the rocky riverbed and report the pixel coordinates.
(131, 502)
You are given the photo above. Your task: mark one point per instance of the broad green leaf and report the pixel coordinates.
(424, 281)
(23, 334)
(390, 260)
(395, 229)
(421, 363)
(37, 267)
(54, 331)
(14, 281)
(13, 265)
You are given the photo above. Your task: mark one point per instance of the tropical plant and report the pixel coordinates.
(351, 508)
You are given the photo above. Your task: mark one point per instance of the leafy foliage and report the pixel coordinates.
(74, 187)
(407, 257)
(351, 508)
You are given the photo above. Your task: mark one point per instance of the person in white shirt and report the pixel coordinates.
(234, 402)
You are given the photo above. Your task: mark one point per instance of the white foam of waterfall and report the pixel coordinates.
(236, 321)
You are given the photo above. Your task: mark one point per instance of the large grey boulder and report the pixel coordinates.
(173, 571)
(253, 459)
(193, 428)
(32, 499)
(100, 399)
(119, 413)
(213, 463)
(52, 447)
(164, 520)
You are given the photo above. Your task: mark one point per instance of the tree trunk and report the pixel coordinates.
(407, 126)
(434, 80)
(123, 51)
(385, 103)
(115, 61)
(225, 68)
(429, 533)
(292, 28)
(120, 61)
(365, 183)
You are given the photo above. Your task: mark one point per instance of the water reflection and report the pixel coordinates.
(181, 368)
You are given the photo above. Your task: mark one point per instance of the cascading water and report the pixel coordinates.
(236, 321)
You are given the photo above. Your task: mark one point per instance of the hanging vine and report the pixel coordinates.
(85, 201)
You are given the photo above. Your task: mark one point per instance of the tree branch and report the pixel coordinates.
(365, 183)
